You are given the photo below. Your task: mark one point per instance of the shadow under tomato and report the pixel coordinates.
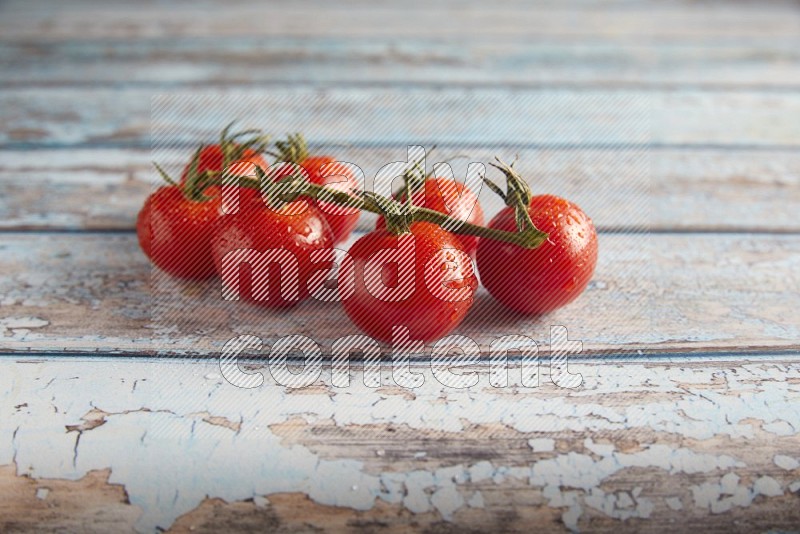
(491, 318)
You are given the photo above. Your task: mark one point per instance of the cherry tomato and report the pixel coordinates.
(440, 292)
(327, 171)
(243, 196)
(212, 158)
(175, 232)
(535, 281)
(270, 252)
(451, 198)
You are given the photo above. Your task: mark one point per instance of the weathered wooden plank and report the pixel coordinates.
(619, 20)
(392, 116)
(238, 61)
(640, 447)
(73, 189)
(88, 443)
(664, 189)
(650, 294)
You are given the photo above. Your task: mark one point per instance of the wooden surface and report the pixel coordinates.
(675, 125)
(676, 189)
(715, 440)
(668, 293)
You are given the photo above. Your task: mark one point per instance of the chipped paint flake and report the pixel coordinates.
(598, 448)
(121, 423)
(786, 462)
(23, 322)
(729, 483)
(481, 471)
(619, 505)
(476, 501)
(780, 428)
(416, 484)
(571, 517)
(767, 486)
(674, 503)
(541, 444)
(447, 500)
(722, 497)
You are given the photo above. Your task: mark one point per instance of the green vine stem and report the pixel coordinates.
(233, 148)
(293, 187)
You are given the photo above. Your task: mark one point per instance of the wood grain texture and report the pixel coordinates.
(666, 293)
(683, 117)
(90, 504)
(391, 116)
(660, 189)
(626, 21)
(532, 60)
(170, 445)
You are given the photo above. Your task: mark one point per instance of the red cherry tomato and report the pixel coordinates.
(243, 196)
(535, 281)
(212, 157)
(438, 298)
(451, 198)
(327, 171)
(270, 252)
(175, 232)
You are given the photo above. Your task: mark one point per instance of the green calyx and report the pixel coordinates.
(293, 150)
(517, 195)
(398, 216)
(233, 146)
(195, 182)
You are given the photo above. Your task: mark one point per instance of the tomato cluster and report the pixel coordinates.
(276, 251)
